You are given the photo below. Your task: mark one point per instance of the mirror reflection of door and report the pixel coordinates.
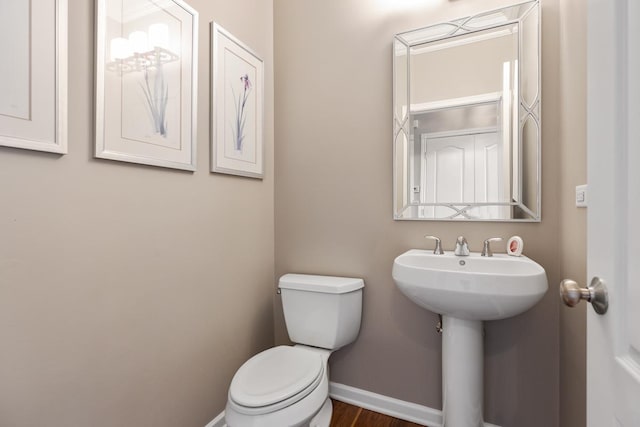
(461, 162)
(460, 170)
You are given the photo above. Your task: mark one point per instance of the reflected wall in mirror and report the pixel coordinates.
(467, 118)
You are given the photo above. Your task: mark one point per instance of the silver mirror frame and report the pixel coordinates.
(527, 112)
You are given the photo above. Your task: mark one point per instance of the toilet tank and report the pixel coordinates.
(321, 311)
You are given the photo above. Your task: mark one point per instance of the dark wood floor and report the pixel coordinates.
(345, 415)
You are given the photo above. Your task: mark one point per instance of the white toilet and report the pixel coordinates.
(288, 386)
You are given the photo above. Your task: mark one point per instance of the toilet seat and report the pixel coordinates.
(275, 379)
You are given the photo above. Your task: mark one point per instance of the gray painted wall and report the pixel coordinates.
(119, 282)
(129, 295)
(334, 213)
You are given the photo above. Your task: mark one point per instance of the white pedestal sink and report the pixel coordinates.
(467, 290)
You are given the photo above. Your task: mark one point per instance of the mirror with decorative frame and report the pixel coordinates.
(466, 107)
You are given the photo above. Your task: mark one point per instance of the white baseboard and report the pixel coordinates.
(218, 421)
(396, 408)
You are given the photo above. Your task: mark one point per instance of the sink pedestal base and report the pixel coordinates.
(462, 372)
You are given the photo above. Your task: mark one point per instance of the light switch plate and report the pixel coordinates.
(581, 196)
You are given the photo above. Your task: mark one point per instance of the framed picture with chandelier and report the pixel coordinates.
(146, 82)
(33, 75)
(237, 145)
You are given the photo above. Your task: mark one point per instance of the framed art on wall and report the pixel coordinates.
(33, 75)
(237, 145)
(146, 82)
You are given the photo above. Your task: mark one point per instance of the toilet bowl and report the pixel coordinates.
(288, 386)
(282, 386)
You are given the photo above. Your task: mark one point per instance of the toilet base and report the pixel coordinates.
(323, 418)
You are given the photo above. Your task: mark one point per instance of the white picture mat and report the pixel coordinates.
(33, 75)
(15, 67)
(232, 59)
(124, 128)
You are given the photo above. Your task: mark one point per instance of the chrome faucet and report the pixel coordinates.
(462, 247)
(486, 248)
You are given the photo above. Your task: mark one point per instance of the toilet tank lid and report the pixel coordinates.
(324, 284)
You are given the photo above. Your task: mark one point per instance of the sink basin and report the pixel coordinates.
(466, 290)
(471, 287)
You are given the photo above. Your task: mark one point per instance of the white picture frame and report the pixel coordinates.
(33, 75)
(237, 99)
(146, 82)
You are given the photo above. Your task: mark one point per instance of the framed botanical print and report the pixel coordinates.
(33, 75)
(146, 82)
(237, 145)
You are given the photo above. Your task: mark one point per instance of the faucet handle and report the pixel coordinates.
(438, 249)
(486, 247)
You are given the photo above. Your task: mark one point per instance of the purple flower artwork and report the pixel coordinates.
(241, 117)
